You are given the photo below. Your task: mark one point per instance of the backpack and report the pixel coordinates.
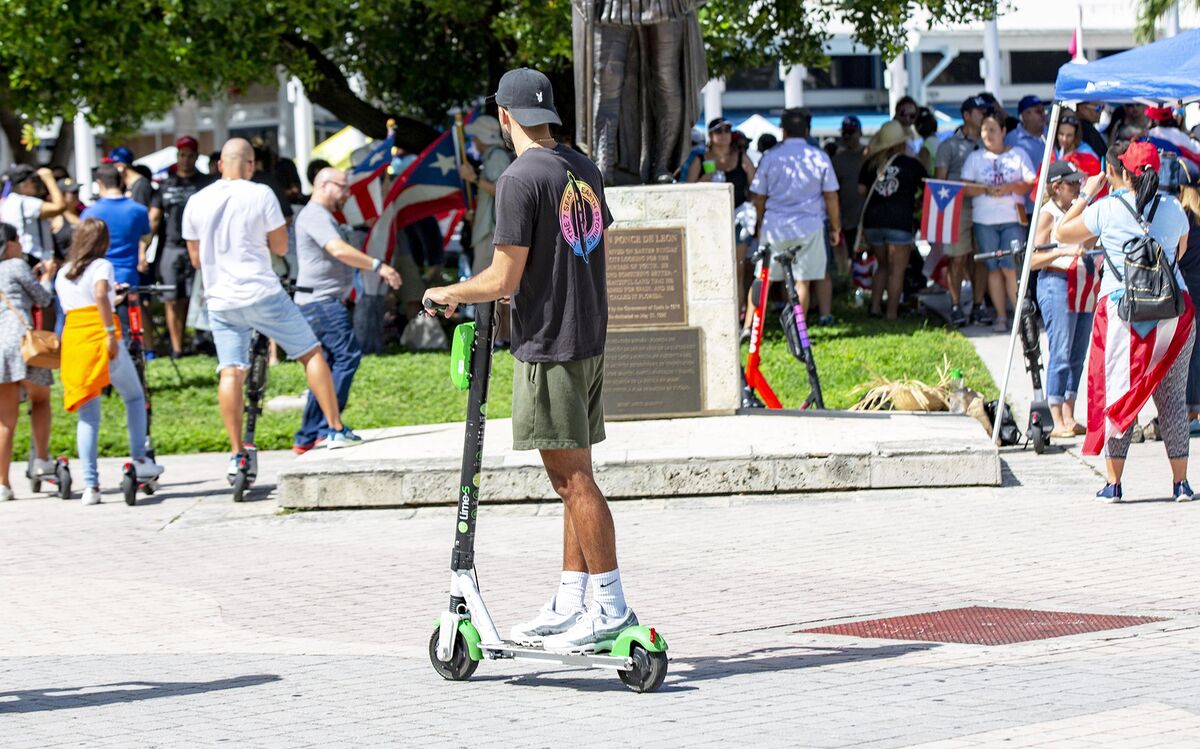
(1151, 291)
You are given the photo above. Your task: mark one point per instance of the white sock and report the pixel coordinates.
(570, 592)
(608, 594)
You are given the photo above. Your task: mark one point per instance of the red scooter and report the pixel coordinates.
(756, 392)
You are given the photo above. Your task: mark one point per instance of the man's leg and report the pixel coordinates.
(229, 397)
(802, 293)
(320, 384)
(955, 275)
(591, 524)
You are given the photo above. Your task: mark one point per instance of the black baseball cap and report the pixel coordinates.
(1064, 171)
(974, 102)
(528, 97)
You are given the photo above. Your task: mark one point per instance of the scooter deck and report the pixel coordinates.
(587, 659)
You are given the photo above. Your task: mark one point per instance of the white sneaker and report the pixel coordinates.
(232, 471)
(147, 469)
(6, 494)
(91, 496)
(43, 467)
(547, 622)
(592, 628)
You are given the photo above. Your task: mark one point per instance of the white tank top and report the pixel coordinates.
(1059, 263)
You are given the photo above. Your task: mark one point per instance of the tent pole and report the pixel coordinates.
(1030, 243)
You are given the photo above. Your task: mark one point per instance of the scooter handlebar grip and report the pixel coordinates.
(1047, 246)
(433, 306)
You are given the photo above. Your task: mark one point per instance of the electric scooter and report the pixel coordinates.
(795, 329)
(60, 479)
(1041, 424)
(256, 389)
(465, 634)
(130, 483)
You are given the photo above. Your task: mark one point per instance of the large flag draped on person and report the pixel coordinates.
(942, 211)
(1174, 140)
(1126, 364)
(430, 186)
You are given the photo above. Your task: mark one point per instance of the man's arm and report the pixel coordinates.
(835, 216)
(498, 280)
(155, 217)
(760, 207)
(55, 203)
(277, 241)
(346, 253)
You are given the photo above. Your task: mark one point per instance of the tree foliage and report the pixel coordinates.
(122, 61)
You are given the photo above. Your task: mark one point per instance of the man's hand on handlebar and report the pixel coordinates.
(439, 298)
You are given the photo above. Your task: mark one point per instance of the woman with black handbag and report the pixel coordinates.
(1141, 344)
(20, 292)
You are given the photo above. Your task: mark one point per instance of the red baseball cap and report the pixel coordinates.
(1140, 155)
(187, 141)
(1160, 114)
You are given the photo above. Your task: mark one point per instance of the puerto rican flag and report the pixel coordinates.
(1083, 284)
(1125, 368)
(1176, 141)
(366, 186)
(430, 186)
(942, 211)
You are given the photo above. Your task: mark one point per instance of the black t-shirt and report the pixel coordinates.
(1189, 264)
(1093, 138)
(552, 201)
(142, 192)
(171, 197)
(892, 202)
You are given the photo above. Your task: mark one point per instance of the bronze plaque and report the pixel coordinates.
(649, 373)
(646, 277)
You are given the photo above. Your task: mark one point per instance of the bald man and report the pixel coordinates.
(327, 265)
(231, 228)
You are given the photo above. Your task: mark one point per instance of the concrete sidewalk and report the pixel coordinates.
(760, 453)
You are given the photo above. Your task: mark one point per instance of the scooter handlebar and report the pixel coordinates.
(432, 307)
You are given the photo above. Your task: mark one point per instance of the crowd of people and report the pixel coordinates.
(69, 268)
(849, 205)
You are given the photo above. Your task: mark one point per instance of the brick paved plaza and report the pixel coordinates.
(191, 621)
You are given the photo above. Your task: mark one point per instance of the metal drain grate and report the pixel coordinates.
(983, 625)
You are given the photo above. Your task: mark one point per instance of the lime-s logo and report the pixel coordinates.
(462, 527)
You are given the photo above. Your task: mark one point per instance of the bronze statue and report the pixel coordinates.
(639, 68)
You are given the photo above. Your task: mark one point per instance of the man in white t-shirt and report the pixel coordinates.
(29, 212)
(231, 227)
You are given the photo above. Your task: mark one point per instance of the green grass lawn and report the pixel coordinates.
(414, 388)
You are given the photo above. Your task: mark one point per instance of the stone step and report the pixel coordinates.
(741, 454)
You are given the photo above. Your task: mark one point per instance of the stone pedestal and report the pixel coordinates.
(703, 214)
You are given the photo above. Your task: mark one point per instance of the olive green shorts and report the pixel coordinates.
(558, 405)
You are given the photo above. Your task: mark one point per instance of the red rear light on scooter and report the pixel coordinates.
(653, 636)
(128, 467)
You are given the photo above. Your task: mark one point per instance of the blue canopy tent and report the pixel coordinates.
(1163, 72)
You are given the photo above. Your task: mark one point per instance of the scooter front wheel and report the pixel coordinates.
(648, 672)
(460, 666)
(241, 482)
(63, 474)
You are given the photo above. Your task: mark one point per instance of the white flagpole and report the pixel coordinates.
(1079, 54)
(1023, 287)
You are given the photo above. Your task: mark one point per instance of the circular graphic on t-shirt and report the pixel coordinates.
(579, 217)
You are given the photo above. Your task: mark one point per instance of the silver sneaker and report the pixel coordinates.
(547, 622)
(593, 627)
(44, 467)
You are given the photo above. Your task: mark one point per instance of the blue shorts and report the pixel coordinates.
(993, 237)
(880, 237)
(276, 317)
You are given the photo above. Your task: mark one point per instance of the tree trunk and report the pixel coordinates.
(11, 123)
(64, 145)
(333, 92)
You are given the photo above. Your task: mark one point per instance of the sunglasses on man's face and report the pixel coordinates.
(724, 129)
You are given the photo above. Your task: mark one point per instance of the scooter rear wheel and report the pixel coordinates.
(129, 489)
(460, 666)
(648, 672)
